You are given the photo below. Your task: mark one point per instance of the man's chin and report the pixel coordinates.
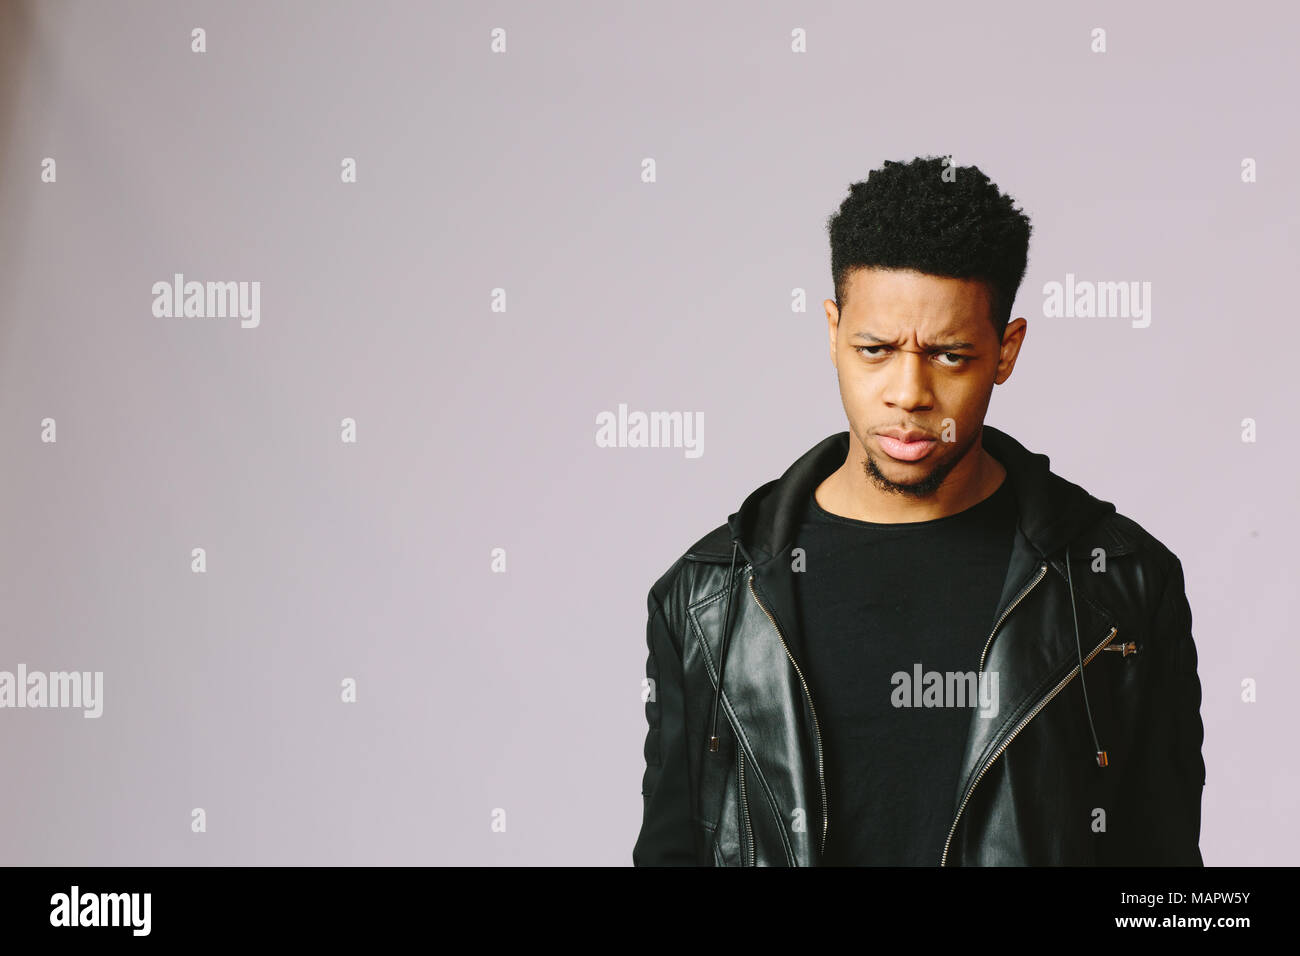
(899, 475)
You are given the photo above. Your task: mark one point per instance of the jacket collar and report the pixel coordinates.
(1052, 510)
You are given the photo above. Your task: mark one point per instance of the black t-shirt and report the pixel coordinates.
(880, 606)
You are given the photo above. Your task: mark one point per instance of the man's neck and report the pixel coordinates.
(848, 492)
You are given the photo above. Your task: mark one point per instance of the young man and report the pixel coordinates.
(920, 646)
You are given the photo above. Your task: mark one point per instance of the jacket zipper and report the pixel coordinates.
(748, 835)
(821, 769)
(1019, 727)
(1041, 571)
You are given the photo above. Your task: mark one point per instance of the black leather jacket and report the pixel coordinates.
(1031, 788)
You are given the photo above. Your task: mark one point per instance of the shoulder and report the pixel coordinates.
(1117, 534)
(698, 572)
(1140, 569)
(714, 546)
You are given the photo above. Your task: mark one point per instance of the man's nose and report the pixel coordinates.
(909, 380)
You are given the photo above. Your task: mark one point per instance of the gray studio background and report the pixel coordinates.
(522, 171)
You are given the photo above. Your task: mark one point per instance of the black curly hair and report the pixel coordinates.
(905, 216)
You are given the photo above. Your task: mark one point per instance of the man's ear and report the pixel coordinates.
(832, 327)
(1012, 338)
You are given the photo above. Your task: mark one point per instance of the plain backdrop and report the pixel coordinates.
(480, 692)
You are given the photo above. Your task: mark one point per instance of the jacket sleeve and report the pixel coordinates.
(1170, 773)
(667, 835)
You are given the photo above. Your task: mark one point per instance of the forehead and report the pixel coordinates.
(890, 298)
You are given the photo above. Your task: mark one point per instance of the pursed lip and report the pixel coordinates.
(900, 434)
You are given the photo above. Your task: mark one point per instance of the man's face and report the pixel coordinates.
(916, 353)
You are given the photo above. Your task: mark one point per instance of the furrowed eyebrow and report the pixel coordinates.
(941, 347)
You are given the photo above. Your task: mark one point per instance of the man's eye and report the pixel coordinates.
(959, 360)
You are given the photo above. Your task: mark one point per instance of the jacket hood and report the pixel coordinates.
(1052, 510)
